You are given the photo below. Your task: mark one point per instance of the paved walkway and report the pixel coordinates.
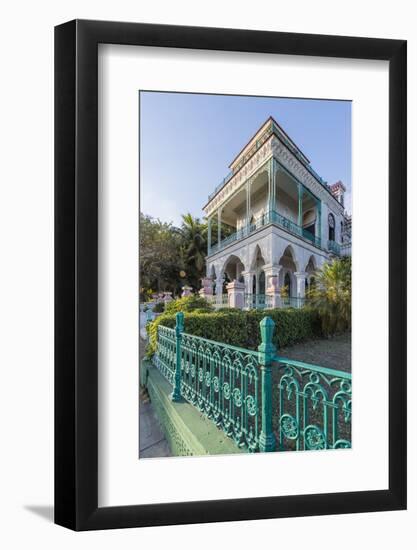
(152, 442)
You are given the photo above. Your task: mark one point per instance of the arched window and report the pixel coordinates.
(332, 225)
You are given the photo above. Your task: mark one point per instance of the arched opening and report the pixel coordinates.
(310, 270)
(257, 282)
(226, 281)
(232, 271)
(287, 285)
(213, 279)
(287, 282)
(332, 225)
(262, 282)
(233, 268)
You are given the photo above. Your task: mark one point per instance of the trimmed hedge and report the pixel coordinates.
(241, 328)
(188, 303)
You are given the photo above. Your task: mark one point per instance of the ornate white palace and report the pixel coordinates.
(283, 222)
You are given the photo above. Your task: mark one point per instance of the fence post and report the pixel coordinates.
(266, 352)
(179, 329)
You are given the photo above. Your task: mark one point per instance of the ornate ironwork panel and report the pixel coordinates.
(164, 360)
(314, 406)
(223, 383)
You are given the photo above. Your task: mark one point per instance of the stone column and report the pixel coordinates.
(208, 236)
(269, 196)
(236, 294)
(301, 283)
(186, 291)
(248, 186)
(219, 286)
(300, 205)
(247, 277)
(219, 228)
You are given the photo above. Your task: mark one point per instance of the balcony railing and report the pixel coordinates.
(258, 301)
(218, 300)
(264, 301)
(270, 217)
(221, 184)
(293, 301)
(334, 247)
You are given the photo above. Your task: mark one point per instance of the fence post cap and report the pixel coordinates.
(266, 348)
(267, 329)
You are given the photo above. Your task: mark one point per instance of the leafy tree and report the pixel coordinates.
(171, 257)
(332, 295)
(160, 256)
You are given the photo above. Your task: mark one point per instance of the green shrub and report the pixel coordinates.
(159, 307)
(241, 328)
(188, 303)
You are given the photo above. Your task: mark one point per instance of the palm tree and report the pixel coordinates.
(331, 295)
(194, 235)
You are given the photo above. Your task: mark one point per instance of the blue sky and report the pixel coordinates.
(187, 142)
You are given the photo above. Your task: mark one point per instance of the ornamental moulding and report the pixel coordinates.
(288, 160)
(244, 173)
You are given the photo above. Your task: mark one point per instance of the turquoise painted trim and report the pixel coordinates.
(271, 217)
(313, 368)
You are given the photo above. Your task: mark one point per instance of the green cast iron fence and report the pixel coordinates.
(264, 402)
(314, 406)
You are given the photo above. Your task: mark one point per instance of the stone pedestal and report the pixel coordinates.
(206, 287)
(236, 294)
(186, 291)
(271, 271)
(167, 297)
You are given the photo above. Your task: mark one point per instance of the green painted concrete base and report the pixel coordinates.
(188, 432)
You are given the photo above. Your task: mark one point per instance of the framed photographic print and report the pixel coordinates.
(230, 275)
